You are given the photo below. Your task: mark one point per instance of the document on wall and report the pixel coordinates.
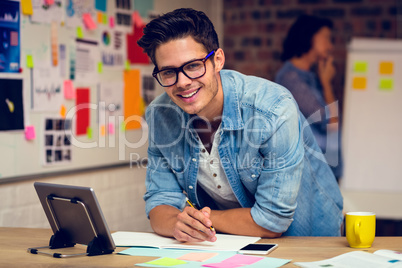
(223, 243)
(355, 259)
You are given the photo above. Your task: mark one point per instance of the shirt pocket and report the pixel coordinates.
(249, 174)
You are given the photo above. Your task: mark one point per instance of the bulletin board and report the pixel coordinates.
(73, 95)
(372, 130)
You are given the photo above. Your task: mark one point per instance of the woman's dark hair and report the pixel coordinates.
(300, 35)
(177, 24)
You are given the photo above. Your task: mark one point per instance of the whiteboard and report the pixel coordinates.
(372, 130)
(20, 158)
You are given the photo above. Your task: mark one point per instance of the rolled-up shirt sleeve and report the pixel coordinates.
(280, 177)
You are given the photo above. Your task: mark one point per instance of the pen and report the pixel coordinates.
(192, 205)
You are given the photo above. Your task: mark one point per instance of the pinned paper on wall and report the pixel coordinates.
(102, 130)
(111, 128)
(47, 92)
(30, 133)
(75, 9)
(57, 145)
(137, 19)
(26, 6)
(101, 5)
(360, 67)
(99, 16)
(83, 111)
(30, 62)
(132, 99)
(144, 7)
(63, 111)
(44, 11)
(134, 52)
(88, 21)
(386, 84)
(80, 32)
(359, 83)
(111, 22)
(68, 88)
(89, 132)
(54, 44)
(386, 68)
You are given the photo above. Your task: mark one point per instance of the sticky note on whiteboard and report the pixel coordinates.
(359, 83)
(30, 132)
(386, 84)
(360, 67)
(386, 67)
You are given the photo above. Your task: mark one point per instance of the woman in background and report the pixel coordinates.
(307, 73)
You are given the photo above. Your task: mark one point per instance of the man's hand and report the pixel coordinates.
(193, 225)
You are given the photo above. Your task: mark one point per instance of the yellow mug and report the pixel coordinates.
(360, 229)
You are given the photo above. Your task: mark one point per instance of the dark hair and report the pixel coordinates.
(300, 35)
(177, 24)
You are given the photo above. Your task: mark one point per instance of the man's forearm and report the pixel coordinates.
(163, 218)
(239, 221)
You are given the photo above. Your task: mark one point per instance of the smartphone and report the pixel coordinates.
(262, 249)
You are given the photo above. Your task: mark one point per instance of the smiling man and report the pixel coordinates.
(235, 145)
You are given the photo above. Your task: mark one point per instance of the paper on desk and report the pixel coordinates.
(223, 242)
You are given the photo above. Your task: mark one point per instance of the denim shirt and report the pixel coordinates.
(267, 151)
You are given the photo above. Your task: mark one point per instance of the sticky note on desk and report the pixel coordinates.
(197, 256)
(165, 261)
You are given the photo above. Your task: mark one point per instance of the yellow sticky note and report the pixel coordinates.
(123, 126)
(359, 83)
(80, 33)
(127, 65)
(63, 111)
(360, 66)
(26, 6)
(30, 62)
(100, 67)
(386, 84)
(103, 130)
(89, 133)
(165, 261)
(104, 18)
(386, 67)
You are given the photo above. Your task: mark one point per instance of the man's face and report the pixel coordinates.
(194, 96)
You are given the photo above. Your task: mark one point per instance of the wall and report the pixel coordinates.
(118, 190)
(255, 29)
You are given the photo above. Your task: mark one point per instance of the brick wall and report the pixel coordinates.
(254, 30)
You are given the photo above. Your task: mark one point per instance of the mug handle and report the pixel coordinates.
(357, 230)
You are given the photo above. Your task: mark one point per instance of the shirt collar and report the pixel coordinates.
(231, 116)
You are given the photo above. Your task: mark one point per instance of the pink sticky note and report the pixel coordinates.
(111, 128)
(137, 19)
(111, 22)
(49, 2)
(88, 21)
(237, 260)
(30, 132)
(69, 92)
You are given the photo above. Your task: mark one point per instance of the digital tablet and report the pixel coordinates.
(76, 211)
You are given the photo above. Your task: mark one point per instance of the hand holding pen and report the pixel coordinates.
(194, 225)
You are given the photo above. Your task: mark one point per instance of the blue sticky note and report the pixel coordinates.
(101, 5)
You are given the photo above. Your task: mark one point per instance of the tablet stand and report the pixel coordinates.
(61, 240)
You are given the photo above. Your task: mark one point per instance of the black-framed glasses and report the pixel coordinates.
(192, 69)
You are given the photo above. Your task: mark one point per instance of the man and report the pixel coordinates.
(235, 145)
